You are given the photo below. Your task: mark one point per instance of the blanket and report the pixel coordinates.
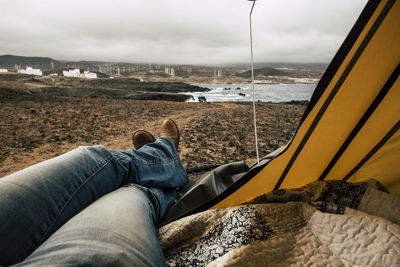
(325, 223)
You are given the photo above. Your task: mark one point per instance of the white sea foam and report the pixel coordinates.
(263, 92)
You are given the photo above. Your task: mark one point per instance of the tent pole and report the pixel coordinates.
(252, 84)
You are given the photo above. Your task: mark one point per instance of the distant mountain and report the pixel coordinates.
(84, 63)
(44, 63)
(309, 66)
(264, 72)
(10, 61)
(277, 65)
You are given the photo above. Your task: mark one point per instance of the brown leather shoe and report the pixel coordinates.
(141, 138)
(170, 129)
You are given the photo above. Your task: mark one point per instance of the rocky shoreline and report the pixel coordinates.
(125, 88)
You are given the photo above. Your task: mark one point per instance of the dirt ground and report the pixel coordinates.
(34, 128)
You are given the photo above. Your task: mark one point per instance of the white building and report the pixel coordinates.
(76, 73)
(72, 73)
(90, 75)
(3, 70)
(170, 71)
(31, 71)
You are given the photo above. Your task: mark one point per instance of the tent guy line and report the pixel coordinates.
(252, 83)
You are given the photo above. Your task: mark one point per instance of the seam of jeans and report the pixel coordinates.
(151, 206)
(174, 153)
(100, 167)
(153, 162)
(173, 157)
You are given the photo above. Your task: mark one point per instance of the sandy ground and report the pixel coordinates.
(34, 128)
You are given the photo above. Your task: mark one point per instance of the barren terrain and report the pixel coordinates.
(36, 127)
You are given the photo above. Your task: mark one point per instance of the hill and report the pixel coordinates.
(10, 61)
(155, 72)
(263, 72)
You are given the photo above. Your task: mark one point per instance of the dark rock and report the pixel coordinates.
(263, 71)
(298, 102)
(161, 96)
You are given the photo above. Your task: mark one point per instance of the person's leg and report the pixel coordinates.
(38, 200)
(116, 230)
(156, 165)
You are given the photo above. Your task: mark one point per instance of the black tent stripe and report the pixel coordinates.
(341, 80)
(378, 99)
(375, 149)
(344, 49)
(359, 26)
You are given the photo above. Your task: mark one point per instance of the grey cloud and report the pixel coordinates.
(176, 31)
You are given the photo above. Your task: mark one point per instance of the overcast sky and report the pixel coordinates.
(176, 31)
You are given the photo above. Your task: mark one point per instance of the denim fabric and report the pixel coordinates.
(116, 230)
(37, 201)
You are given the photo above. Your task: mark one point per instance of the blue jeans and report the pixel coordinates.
(90, 206)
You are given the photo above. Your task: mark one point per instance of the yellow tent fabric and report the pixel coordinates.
(350, 129)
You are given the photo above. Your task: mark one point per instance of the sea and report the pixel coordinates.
(223, 92)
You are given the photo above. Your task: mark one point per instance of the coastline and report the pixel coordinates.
(269, 93)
